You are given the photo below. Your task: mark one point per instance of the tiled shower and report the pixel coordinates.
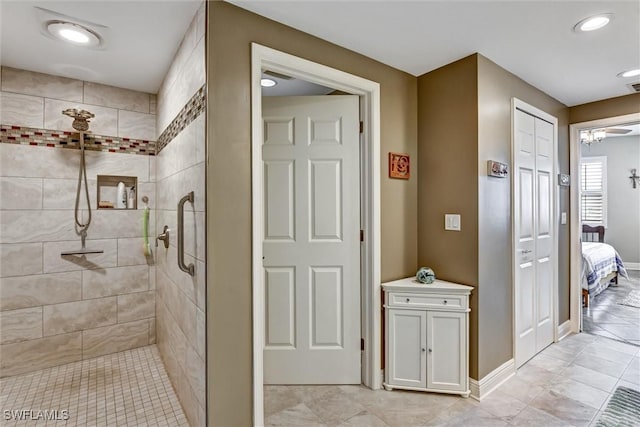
(59, 310)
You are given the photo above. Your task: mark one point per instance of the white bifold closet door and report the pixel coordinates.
(534, 230)
(311, 240)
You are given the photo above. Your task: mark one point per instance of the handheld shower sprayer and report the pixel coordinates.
(81, 124)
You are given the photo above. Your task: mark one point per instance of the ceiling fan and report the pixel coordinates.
(617, 131)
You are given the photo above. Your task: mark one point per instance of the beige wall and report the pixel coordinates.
(230, 33)
(55, 310)
(606, 108)
(496, 87)
(464, 113)
(180, 168)
(448, 182)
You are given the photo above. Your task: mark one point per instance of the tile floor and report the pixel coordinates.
(605, 317)
(568, 384)
(130, 388)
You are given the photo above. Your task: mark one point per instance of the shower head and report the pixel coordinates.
(80, 118)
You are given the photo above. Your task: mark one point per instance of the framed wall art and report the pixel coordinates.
(399, 166)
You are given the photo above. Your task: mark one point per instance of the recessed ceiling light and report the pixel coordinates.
(267, 83)
(593, 23)
(630, 73)
(73, 33)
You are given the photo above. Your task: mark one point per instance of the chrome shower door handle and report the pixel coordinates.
(189, 269)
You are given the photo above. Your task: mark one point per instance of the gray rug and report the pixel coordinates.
(623, 409)
(632, 299)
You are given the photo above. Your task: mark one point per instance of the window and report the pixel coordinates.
(593, 190)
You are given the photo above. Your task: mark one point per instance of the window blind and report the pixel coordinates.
(592, 192)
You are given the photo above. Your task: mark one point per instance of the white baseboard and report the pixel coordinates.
(564, 329)
(631, 265)
(481, 389)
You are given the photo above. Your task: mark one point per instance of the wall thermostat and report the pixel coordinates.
(564, 179)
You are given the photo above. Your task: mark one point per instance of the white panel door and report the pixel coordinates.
(446, 351)
(544, 234)
(407, 348)
(534, 233)
(311, 242)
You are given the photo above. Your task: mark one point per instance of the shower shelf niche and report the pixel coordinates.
(108, 190)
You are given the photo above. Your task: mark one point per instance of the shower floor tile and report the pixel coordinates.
(130, 388)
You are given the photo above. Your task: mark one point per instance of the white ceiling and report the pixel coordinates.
(141, 39)
(532, 39)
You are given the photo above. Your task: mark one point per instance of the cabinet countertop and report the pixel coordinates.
(412, 285)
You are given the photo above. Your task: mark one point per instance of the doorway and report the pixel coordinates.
(264, 58)
(534, 230)
(598, 307)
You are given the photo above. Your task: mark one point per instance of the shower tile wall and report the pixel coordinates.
(180, 298)
(56, 310)
(36, 100)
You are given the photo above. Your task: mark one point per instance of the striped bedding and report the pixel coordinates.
(600, 260)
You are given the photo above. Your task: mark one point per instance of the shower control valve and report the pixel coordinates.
(164, 237)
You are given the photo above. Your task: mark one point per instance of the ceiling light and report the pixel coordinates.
(590, 136)
(630, 73)
(267, 83)
(593, 23)
(73, 33)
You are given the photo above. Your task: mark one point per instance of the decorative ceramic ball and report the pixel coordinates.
(425, 275)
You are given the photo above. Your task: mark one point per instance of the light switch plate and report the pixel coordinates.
(452, 222)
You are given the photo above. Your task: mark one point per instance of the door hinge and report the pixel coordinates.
(361, 127)
(362, 235)
(362, 344)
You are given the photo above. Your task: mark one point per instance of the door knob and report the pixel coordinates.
(164, 237)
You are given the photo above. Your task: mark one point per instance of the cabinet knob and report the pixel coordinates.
(445, 302)
(430, 351)
(424, 349)
(407, 299)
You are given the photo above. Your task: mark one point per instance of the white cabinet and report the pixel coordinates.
(426, 330)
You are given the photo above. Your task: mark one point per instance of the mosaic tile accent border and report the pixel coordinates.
(194, 107)
(10, 134)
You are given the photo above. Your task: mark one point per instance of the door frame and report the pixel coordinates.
(575, 305)
(369, 93)
(517, 104)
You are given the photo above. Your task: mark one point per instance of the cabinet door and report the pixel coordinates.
(406, 347)
(447, 351)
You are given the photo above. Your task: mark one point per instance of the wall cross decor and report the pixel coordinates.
(634, 178)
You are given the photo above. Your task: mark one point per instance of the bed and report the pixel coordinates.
(601, 264)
